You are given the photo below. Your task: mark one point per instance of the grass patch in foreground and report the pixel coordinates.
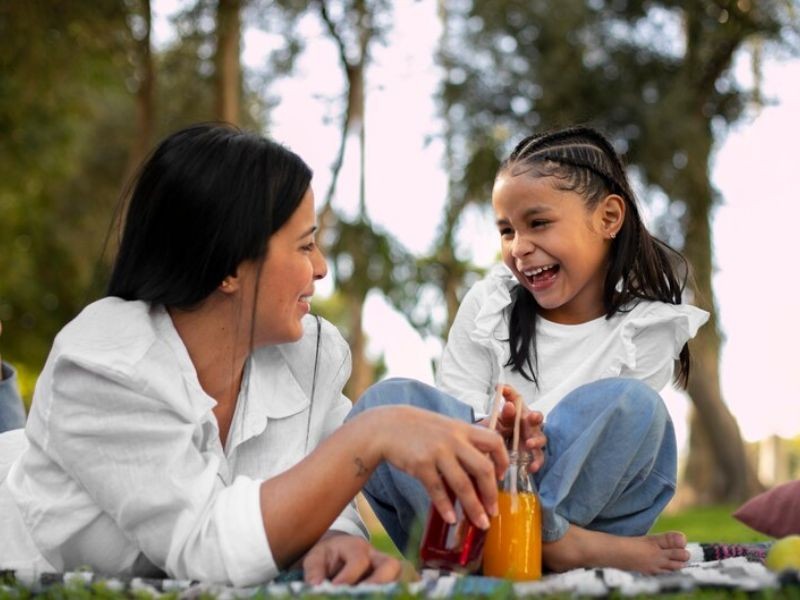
(701, 524)
(709, 524)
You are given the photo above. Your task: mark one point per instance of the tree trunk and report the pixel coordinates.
(145, 94)
(353, 123)
(227, 61)
(728, 476)
(363, 372)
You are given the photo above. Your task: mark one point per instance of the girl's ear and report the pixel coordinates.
(611, 211)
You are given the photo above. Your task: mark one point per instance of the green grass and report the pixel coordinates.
(702, 524)
(709, 524)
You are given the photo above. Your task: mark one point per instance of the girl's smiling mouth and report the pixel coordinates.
(539, 277)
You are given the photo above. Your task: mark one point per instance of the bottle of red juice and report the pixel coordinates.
(457, 547)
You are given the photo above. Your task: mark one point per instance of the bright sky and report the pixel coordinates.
(755, 170)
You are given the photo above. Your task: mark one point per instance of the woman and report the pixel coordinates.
(12, 410)
(190, 422)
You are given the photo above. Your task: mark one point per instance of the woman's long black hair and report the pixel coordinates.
(208, 198)
(582, 160)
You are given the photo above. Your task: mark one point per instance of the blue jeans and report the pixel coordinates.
(610, 463)
(12, 411)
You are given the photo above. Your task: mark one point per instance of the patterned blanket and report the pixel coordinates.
(734, 567)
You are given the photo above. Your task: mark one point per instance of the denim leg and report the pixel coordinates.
(397, 498)
(611, 461)
(12, 411)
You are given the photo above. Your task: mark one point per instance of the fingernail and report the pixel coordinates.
(450, 517)
(494, 509)
(483, 522)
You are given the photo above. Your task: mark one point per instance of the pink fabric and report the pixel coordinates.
(775, 512)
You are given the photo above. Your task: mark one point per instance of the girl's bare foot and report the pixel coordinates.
(582, 548)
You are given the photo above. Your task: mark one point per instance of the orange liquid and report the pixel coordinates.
(513, 547)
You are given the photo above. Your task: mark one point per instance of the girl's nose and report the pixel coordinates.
(521, 246)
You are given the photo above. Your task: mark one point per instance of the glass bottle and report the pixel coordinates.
(514, 542)
(457, 547)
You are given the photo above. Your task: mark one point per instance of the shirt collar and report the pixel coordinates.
(270, 391)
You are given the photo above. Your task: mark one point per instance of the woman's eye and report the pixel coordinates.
(308, 247)
(538, 223)
(506, 231)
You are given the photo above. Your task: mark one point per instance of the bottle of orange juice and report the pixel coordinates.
(513, 548)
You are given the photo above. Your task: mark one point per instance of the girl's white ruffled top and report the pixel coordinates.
(641, 343)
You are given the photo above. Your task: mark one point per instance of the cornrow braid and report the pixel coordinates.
(582, 160)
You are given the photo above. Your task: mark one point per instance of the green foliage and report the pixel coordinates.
(52, 55)
(645, 72)
(709, 524)
(67, 128)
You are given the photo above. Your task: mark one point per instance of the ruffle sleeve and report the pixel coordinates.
(491, 314)
(651, 337)
(475, 353)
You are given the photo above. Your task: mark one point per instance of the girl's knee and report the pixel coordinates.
(625, 404)
(409, 392)
(637, 398)
(384, 393)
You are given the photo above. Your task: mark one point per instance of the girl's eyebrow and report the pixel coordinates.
(531, 212)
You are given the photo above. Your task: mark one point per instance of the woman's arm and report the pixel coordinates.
(140, 459)
(301, 503)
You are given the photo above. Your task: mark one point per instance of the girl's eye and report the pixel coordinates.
(308, 247)
(538, 223)
(506, 231)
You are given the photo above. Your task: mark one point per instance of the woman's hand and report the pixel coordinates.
(346, 559)
(531, 432)
(439, 450)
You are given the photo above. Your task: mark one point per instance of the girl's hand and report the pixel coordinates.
(438, 450)
(531, 434)
(346, 559)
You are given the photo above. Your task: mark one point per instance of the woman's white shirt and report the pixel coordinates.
(124, 464)
(641, 343)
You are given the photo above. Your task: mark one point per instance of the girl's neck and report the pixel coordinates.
(574, 315)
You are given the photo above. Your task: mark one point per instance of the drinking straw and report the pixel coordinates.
(515, 450)
(496, 401)
(517, 419)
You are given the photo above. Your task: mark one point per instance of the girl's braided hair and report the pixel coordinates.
(580, 159)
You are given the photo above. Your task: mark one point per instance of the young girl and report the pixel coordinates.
(587, 320)
(190, 423)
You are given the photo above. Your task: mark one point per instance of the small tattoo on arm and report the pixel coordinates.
(361, 469)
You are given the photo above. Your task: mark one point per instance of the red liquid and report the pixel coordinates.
(457, 547)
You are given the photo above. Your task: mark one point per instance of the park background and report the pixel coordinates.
(403, 110)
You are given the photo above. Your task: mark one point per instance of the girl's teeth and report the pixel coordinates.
(537, 271)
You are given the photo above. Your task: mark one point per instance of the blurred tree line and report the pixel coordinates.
(84, 95)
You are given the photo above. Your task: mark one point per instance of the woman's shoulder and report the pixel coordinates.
(110, 331)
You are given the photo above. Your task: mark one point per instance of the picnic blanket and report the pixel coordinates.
(733, 567)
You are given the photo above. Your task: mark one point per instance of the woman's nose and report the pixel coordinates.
(320, 265)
